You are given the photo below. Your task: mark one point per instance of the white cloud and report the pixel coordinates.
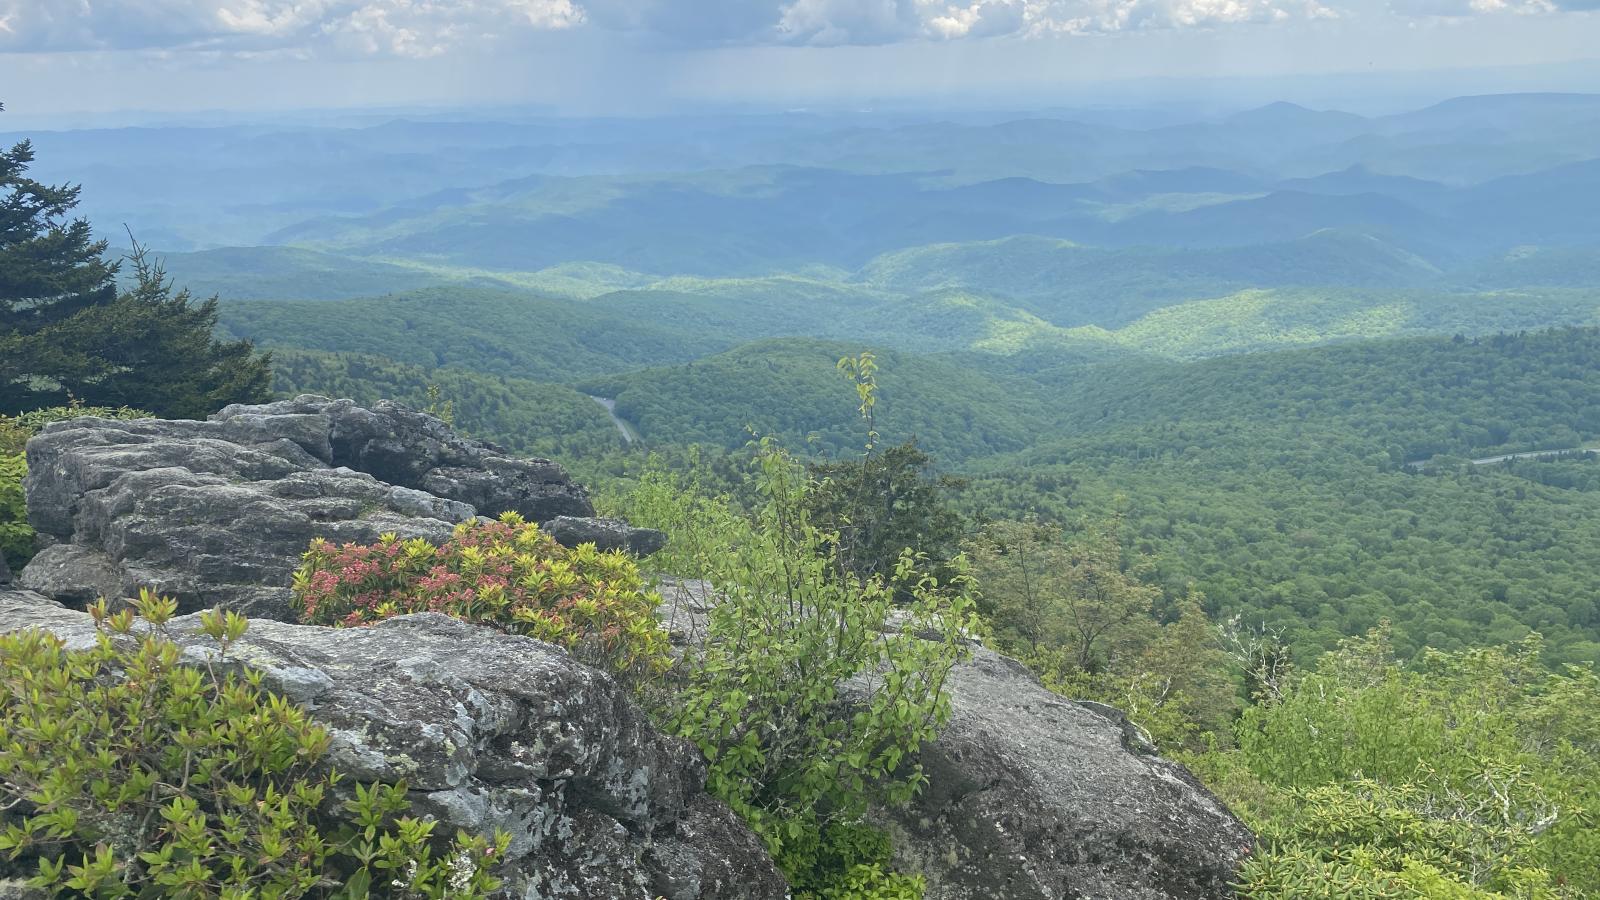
(847, 21)
(1458, 9)
(377, 27)
(883, 21)
(424, 28)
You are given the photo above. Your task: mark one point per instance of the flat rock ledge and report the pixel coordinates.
(497, 731)
(219, 512)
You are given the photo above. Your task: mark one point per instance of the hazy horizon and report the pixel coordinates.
(121, 62)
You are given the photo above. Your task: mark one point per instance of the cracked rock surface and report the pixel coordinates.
(219, 512)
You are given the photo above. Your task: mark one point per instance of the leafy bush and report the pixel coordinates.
(505, 573)
(16, 535)
(851, 862)
(15, 430)
(124, 773)
(813, 689)
(1080, 613)
(1475, 774)
(1367, 840)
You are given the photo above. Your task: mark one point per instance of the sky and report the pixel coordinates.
(107, 57)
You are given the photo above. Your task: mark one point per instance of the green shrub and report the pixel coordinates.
(506, 574)
(16, 535)
(850, 861)
(124, 773)
(1366, 840)
(1471, 774)
(765, 699)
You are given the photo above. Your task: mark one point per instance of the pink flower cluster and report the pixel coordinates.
(501, 573)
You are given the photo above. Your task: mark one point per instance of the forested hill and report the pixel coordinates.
(1273, 482)
(529, 417)
(1402, 399)
(1412, 398)
(790, 388)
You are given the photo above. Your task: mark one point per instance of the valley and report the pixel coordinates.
(1263, 437)
(1199, 320)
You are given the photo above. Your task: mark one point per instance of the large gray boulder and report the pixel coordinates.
(497, 731)
(219, 512)
(1032, 796)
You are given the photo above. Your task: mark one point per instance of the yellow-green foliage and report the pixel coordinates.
(506, 574)
(1474, 774)
(124, 773)
(1080, 613)
(1367, 840)
(16, 536)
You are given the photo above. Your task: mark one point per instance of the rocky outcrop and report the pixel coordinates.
(498, 731)
(218, 512)
(1032, 796)
(606, 534)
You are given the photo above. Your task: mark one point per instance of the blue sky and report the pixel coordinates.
(639, 56)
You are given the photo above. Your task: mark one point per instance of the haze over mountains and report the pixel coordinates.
(1470, 174)
(1070, 307)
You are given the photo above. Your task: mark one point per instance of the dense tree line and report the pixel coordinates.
(1277, 485)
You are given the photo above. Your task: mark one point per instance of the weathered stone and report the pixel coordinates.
(1032, 796)
(5, 570)
(73, 574)
(497, 731)
(402, 446)
(606, 534)
(220, 511)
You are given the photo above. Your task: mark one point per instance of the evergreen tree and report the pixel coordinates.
(65, 331)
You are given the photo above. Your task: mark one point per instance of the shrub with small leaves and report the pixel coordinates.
(850, 861)
(1473, 774)
(16, 535)
(1367, 840)
(506, 574)
(15, 430)
(126, 773)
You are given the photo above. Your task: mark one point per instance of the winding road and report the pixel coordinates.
(628, 435)
(1530, 454)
